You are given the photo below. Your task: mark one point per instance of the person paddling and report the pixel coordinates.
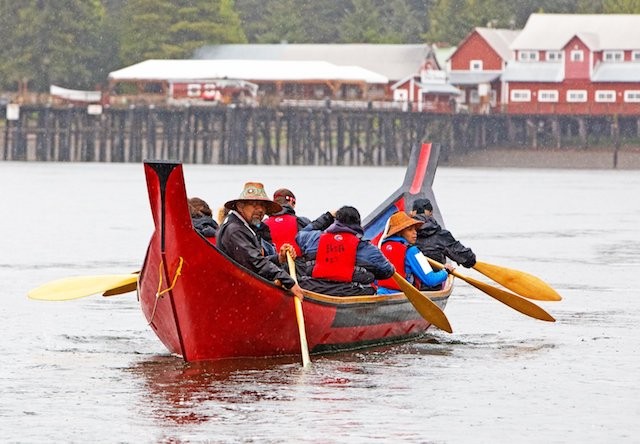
(285, 224)
(342, 263)
(237, 239)
(436, 242)
(398, 246)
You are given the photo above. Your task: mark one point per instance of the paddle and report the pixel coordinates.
(425, 306)
(81, 286)
(516, 302)
(304, 348)
(519, 282)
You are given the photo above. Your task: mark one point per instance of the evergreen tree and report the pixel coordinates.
(621, 6)
(174, 29)
(46, 43)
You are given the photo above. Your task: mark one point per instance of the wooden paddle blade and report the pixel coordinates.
(425, 306)
(519, 282)
(80, 286)
(516, 302)
(132, 286)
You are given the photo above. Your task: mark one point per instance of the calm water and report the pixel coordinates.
(90, 370)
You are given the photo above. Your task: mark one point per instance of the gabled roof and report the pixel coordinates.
(266, 70)
(533, 72)
(598, 31)
(392, 61)
(616, 72)
(499, 39)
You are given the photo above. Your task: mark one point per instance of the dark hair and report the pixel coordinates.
(200, 206)
(420, 205)
(348, 215)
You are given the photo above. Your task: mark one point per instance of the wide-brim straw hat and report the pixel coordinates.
(399, 221)
(254, 191)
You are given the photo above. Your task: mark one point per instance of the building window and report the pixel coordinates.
(475, 65)
(577, 55)
(635, 56)
(194, 90)
(576, 95)
(548, 95)
(520, 95)
(608, 96)
(401, 95)
(632, 95)
(528, 56)
(613, 56)
(474, 97)
(554, 56)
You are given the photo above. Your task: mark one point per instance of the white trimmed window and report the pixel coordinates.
(194, 90)
(635, 56)
(605, 95)
(632, 95)
(400, 95)
(576, 95)
(475, 65)
(554, 56)
(613, 56)
(548, 95)
(577, 55)
(520, 95)
(528, 56)
(474, 97)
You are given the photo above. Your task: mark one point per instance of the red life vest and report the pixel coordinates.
(336, 257)
(394, 251)
(283, 231)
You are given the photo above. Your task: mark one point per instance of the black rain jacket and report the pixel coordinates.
(438, 244)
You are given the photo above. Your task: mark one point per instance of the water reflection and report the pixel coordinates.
(180, 392)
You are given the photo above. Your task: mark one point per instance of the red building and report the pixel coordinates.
(575, 64)
(476, 66)
(427, 91)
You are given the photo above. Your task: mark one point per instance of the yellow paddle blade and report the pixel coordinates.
(425, 306)
(519, 282)
(514, 301)
(522, 305)
(80, 286)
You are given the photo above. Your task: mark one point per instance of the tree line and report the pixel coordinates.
(76, 43)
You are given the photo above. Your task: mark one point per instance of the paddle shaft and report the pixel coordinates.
(304, 348)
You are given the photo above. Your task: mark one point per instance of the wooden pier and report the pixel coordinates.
(285, 136)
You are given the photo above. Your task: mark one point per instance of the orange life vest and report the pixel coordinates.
(394, 251)
(283, 229)
(336, 256)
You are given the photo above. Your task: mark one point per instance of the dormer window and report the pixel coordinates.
(528, 56)
(577, 55)
(613, 56)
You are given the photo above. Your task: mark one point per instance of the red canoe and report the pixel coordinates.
(204, 306)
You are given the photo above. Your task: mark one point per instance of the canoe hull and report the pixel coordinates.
(203, 306)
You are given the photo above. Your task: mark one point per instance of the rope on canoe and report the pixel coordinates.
(159, 293)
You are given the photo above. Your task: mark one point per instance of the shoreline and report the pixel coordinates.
(628, 158)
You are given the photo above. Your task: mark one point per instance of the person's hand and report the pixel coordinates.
(449, 268)
(297, 292)
(284, 249)
(333, 213)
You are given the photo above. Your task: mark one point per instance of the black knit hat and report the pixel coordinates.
(420, 205)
